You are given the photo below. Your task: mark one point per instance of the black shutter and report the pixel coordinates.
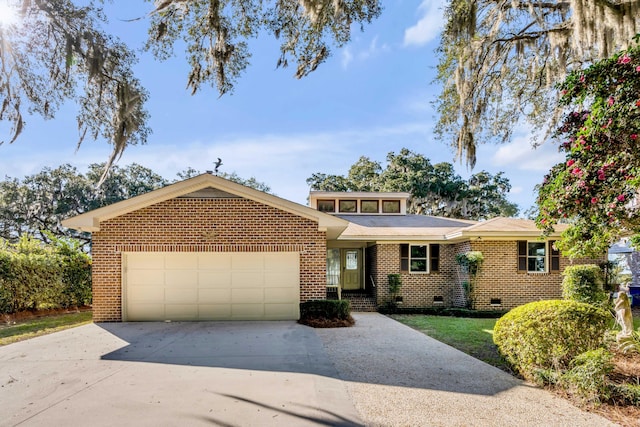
(522, 255)
(404, 257)
(555, 256)
(434, 256)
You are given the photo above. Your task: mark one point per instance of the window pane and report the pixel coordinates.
(537, 249)
(369, 206)
(536, 264)
(326, 205)
(348, 206)
(418, 265)
(418, 251)
(391, 206)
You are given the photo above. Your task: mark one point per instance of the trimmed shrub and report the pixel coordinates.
(37, 276)
(584, 283)
(587, 377)
(326, 313)
(326, 309)
(549, 334)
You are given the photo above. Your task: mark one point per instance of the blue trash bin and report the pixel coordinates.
(634, 291)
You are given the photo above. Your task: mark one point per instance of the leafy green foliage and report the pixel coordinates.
(549, 334)
(215, 33)
(498, 62)
(435, 189)
(584, 283)
(325, 309)
(57, 48)
(587, 376)
(37, 204)
(595, 188)
(470, 262)
(38, 276)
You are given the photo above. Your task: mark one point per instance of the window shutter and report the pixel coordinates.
(554, 256)
(434, 256)
(522, 256)
(404, 257)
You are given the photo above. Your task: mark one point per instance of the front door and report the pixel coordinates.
(351, 268)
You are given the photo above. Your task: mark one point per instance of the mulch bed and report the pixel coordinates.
(328, 323)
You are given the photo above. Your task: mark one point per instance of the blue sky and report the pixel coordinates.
(371, 97)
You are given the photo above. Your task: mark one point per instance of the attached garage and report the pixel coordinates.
(206, 249)
(211, 286)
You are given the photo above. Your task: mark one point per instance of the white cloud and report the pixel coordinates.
(371, 51)
(520, 154)
(428, 26)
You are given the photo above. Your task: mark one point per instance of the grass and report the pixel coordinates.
(469, 335)
(41, 326)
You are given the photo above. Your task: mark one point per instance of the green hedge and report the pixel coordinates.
(325, 309)
(444, 311)
(584, 283)
(38, 276)
(549, 334)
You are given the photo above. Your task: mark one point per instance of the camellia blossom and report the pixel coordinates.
(594, 200)
(620, 198)
(638, 68)
(570, 162)
(611, 101)
(624, 59)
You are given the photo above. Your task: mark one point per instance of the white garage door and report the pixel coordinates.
(211, 286)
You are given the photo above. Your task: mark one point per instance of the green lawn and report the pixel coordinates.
(472, 336)
(41, 326)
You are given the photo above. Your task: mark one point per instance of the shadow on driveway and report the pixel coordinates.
(377, 350)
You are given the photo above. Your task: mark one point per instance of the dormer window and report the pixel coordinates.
(391, 206)
(327, 206)
(369, 206)
(347, 206)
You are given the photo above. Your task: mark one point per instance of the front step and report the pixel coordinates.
(361, 302)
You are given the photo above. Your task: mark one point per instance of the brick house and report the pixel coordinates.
(209, 249)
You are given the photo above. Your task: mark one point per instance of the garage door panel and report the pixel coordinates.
(181, 261)
(146, 277)
(247, 311)
(213, 296)
(214, 312)
(247, 279)
(248, 261)
(280, 279)
(181, 279)
(146, 294)
(211, 286)
(179, 312)
(214, 279)
(281, 262)
(280, 311)
(248, 295)
(214, 261)
(279, 295)
(181, 296)
(148, 261)
(146, 312)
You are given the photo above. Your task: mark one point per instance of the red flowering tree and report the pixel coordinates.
(595, 189)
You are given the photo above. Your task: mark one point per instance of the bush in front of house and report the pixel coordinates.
(548, 335)
(587, 376)
(326, 313)
(35, 276)
(584, 283)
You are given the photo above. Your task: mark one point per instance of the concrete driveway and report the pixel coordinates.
(377, 373)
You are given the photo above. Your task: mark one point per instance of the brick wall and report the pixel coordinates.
(498, 277)
(209, 225)
(418, 290)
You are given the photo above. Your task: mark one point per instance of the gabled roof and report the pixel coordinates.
(503, 228)
(400, 227)
(430, 228)
(90, 221)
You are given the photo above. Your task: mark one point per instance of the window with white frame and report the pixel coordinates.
(537, 256)
(419, 258)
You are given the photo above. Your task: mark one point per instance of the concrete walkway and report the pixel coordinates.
(397, 376)
(378, 373)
